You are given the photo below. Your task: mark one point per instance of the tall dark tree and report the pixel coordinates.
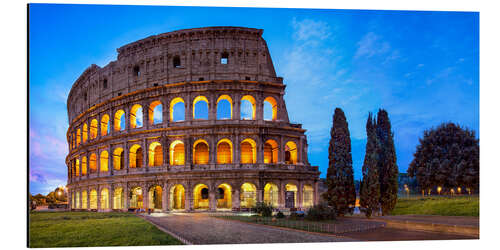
(341, 192)
(387, 167)
(370, 187)
(447, 156)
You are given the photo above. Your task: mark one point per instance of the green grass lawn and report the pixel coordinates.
(72, 229)
(438, 205)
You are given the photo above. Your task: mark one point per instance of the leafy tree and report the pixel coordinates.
(447, 156)
(387, 167)
(370, 190)
(341, 193)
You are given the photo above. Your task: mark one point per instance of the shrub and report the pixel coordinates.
(264, 209)
(321, 212)
(280, 215)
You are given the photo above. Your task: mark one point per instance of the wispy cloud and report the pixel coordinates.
(370, 45)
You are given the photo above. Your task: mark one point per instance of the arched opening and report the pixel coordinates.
(84, 165)
(84, 199)
(78, 137)
(136, 116)
(291, 153)
(247, 108)
(118, 198)
(176, 61)
(224, 152)
(271, 194)
(104, 125)
(93, 199)
(248, 151)
(155, 113)
(177, 197)
(77, 167)
(200, 193)
(200, 108)
(104, 198)
(155, 154)
(93, 163)
(77, 200)
(270, 109)
(307, 194)
(119, 120)
(177, 155)
(118, 158)
(85, 133)
(177, 110)
(224, 196)
(290, 195)
(224, 58)
(200, 152)
(224, 107)
(248, 195)
(93, 129)
(271, 151)
(155, 196)
(103, 163)
(135, 197)
(135, 156)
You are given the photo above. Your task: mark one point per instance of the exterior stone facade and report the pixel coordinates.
(162, 163)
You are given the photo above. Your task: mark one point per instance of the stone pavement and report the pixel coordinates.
(203, 229)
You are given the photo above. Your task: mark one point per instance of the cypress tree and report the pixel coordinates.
(370, 191)
(341, 192)
(387, 167)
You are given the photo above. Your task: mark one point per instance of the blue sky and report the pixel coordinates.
(422, 67)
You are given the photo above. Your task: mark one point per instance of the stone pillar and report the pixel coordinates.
(166, 151)
(281, 151)
(299, 151)
(111, 196)
(110, 160)
(235, 197)
(98, 189)
(260, 150)
(126, 195)
(98, 162)
(189, 199)
(212, 108)
(145, 158)
(281, 194)
(88, 198)
(236, 149)
(164, 197)
(236, 107)
(99, 117)
(145, 115)
(126, 154)
(188, 109)
(260, 194)
(212, 201)
(165, 114)
(212, 150)
(300, 194)
(145, 196)
(259, 106)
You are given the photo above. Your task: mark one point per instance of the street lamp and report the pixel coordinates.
(439, 190)
(407, 191)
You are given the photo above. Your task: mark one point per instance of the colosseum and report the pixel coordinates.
(190, 120)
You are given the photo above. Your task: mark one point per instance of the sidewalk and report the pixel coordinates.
(446, 224)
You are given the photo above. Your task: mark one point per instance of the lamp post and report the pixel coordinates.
(439, 190)
(407, 191)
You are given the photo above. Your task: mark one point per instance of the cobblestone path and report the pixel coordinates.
(203, 229)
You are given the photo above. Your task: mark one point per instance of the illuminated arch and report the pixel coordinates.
(248, 195)
(136, 198)
(93, 199)
(155, 111)
(104, 160)
(271, 151)
(200, 193)
(307, 194)
(93, 163)
(77, 200)
(177, 197)
(274, 108)
(135, 156)
(84, 165)
(84, 199)
(155, 154)
(119, 120)
(271, 194)
(200, 152)
(290, 153)
(173, 103)
(230, 101)
(104, 125)
(200, 99)
(104, 198)
(78, 137)
(136, 116)
(93, 129)
(118, 198)
(248, 151)
(77, 167)
(177, 155)
(251, 100)
(155, 197)
(223, 196)
(118, 158)
(224, 151)
(293, 188)
(84, 133)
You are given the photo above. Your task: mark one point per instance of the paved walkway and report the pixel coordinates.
(436, 219)
(203, 229)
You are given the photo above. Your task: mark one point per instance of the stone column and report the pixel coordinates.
(212, 150)
(236, 107)
(145, 196)
(235, 197)
(145, 115)
(212, 108)
(98, 189)
(300, 194)
(126, 195)
(88, 198)
(212, 201)
(98, 162)
(126, 154)
(145, 158)
(164, 197)
(110, 159)
(260, 194)
(189, 199)
(260, 150)
(281, 194)
(259, 106)
(281, 151)
(111, 196)
(188, 109)
(236, 149)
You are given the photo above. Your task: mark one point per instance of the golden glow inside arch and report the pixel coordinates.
(84, 133)
(155, 154)
(118, 198)
(135, 156)
(200, 194)
(93, 129)
(271, 151)
(198, 99)
(104, 125)
(136, 198)
(77, 167)
(224, 151)
(223, 196)
(134, 116)
(118, 158)
(117, 120)
(93, 163)
(78, 137)
(230, 100)
(290, 153)
(84, 199)
(78, 200)
(177, 153)
(307, 194)
(152, 113)
(248, 151)
(104, 159)
(271, 194)
(177, 197)
(104, 198)
(252, 101)
(201, 152)
(84, 165)
(155, 197)
(248, 195)
(171, 108)
(292, 187)
(93, 199)
(274, 106)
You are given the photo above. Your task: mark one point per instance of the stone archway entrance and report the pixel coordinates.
(224, 198)
(177, 197)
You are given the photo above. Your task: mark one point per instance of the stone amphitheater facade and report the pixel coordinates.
(136, 141)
